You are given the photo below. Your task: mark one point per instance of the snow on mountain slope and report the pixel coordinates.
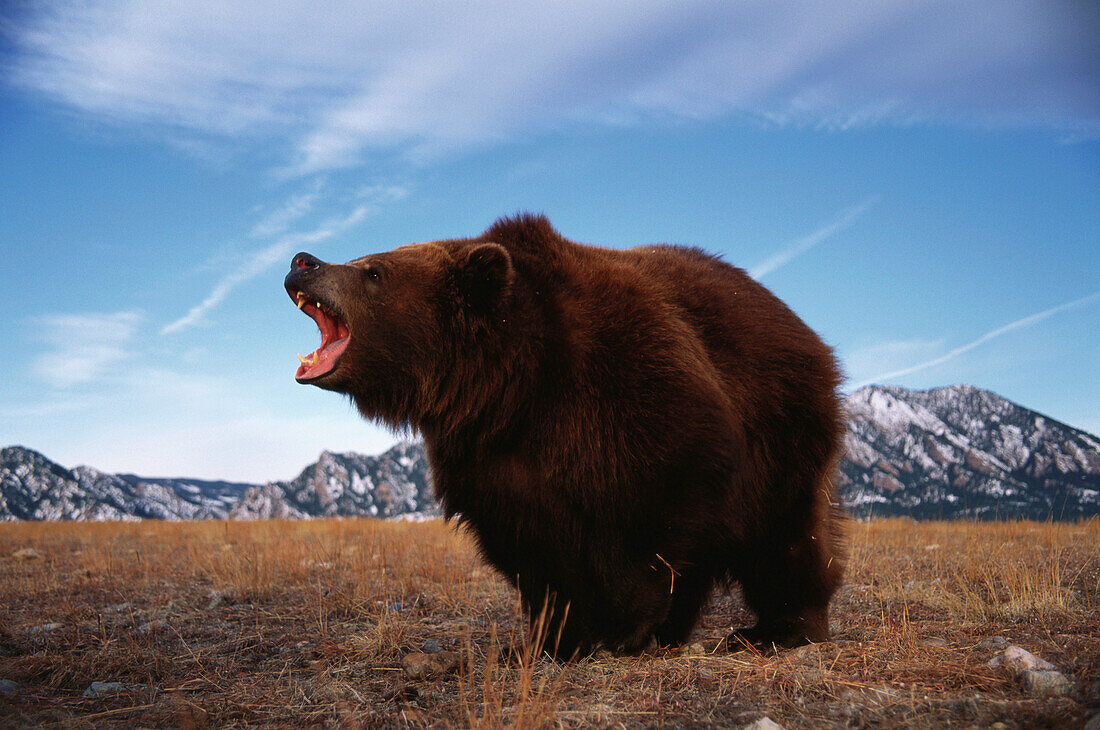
(391, 484)
(961, 451)
(34, 488)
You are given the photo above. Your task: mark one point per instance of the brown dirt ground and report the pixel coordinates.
(298, 624)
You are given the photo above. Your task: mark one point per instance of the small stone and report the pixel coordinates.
(1040, 682)
(936, 641)
(996, 643)
(1018, 660)
(100, 689)
(419, 665)
(117, 608)
(806, 651)
(694, 649)
(27, 553)
(217, 601)
(764, 723)
(431, 646)
(8, 687)
(46, 628)
(150, 626)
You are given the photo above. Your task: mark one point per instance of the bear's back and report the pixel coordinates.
(748, 333)
(622, 304)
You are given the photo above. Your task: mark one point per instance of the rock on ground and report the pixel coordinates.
(1044, 682)
(419, 665)
(764, 723)
(1039, 676)
(1018, 660)
(46, 628)
(996, 643)
(101, 689)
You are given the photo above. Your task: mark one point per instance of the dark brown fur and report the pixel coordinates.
(620, 429)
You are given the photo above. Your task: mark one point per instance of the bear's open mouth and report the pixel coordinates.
(335, 336)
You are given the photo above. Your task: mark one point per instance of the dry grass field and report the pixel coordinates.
(312, 623)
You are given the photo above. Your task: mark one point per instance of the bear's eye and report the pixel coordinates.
(373, 275)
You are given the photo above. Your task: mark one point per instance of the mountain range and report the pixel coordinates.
(945, 453)
(961, 451)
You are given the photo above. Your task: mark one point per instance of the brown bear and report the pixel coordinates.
(621, 430)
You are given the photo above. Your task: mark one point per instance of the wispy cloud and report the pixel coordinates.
(992, 334)
(378, 195)
(278, 220)
(259, 262)
(869, 360)
(804, 244)
(415, 79)
(82, 347)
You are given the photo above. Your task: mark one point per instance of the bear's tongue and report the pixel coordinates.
(334, 340)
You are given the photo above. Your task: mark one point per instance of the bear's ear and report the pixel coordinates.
(483, 275)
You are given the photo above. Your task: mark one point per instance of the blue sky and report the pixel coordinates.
(920, 181)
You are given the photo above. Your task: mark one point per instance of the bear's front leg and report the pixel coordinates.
(622, 610)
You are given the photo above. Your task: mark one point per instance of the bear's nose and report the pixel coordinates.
(304, 260)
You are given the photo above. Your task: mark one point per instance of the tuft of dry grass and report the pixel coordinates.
(249, 624)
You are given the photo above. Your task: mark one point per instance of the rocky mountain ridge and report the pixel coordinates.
(34, 488)
(945, 453)
(392, 484)
(388, 485)
(961, 451)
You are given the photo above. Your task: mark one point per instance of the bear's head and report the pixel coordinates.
(393, 324)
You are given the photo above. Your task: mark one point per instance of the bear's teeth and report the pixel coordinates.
(311, 360)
